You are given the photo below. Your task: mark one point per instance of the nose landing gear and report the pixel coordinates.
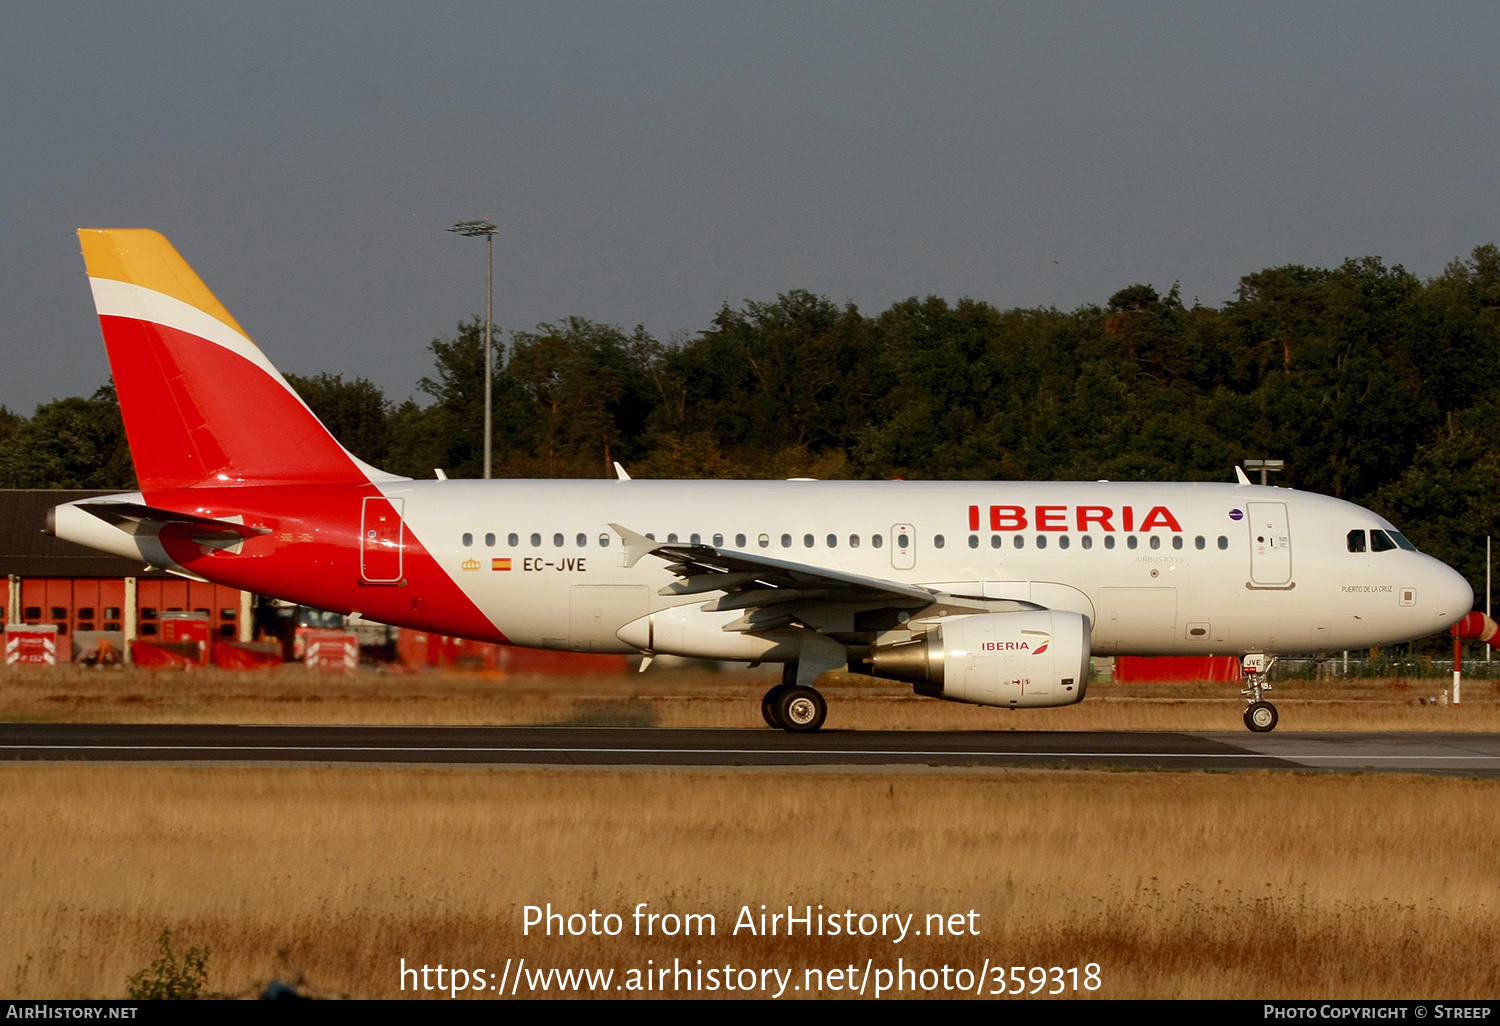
(1260, 715)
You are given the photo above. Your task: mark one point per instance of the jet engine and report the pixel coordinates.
(1017, 660)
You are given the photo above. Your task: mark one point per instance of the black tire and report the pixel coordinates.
(768, 707)
(801, 710)
(1261, 717)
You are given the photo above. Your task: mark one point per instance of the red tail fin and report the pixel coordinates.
(202, 404)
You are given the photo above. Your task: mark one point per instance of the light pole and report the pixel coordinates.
(487, 229)
(1273, 466)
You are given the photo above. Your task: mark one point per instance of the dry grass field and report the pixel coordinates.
(1200, 885)
(695, 698)
(1175, 884)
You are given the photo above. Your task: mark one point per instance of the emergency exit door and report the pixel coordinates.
(903, 547)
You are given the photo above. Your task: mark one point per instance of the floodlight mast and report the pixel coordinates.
(1265, 466)
(487, 229)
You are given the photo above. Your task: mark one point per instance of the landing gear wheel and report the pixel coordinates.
(800, 709)
(1261, 717)
(768, 707)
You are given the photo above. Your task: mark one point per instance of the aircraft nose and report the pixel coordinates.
(1452, 596)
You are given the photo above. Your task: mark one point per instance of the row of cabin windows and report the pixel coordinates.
(876, 541)
(1380, 541)
(581, 540)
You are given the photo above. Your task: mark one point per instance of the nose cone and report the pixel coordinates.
(1452, 597)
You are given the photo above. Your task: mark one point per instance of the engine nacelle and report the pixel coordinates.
(1017, 660)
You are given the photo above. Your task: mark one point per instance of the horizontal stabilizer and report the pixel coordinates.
(135, 518)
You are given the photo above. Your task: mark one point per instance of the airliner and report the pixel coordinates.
(988, 592)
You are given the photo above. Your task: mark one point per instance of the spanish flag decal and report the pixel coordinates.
(500, 564)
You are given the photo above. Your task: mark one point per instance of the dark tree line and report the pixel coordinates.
(1372, 384)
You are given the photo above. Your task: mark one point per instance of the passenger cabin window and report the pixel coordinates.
(937, 541)
(557, 541)
(513, 539)
(489, 540)
(583, 540)
(1356, 541)
(604, 541)
(854, 541)
(468, 539)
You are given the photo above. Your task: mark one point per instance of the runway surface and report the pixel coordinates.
(1448, 754)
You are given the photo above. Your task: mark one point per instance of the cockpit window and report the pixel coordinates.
(1402, 541)
(1356, 541)
(1380, 541)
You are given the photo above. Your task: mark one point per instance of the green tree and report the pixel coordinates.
(777, 376)
(169, 978)
(590, 393)
(356, 412)
(69, 443)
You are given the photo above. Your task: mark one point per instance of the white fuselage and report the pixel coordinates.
(1156, 568)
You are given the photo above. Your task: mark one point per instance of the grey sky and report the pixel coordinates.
(648, 162)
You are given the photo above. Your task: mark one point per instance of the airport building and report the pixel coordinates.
(89, 597)
(98, 607)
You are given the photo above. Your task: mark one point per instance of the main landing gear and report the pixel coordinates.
(793, 707)
(1260, 715)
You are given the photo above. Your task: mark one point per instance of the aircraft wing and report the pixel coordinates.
(776, 592)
